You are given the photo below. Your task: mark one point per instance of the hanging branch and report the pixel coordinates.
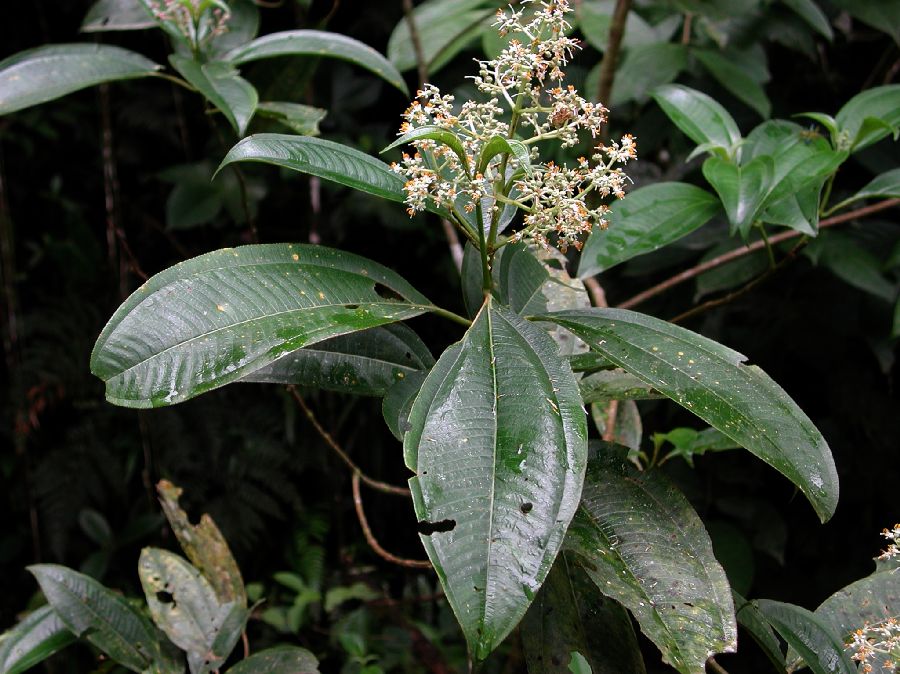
(611, 55)
(718, 261)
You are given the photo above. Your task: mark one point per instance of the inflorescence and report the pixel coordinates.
(527, 81)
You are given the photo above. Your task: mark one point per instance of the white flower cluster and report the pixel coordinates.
(197, 20)
(878, 643)
(893, 548)
(525, 81)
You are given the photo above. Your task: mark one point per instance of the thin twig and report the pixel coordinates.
(370, 537)
(246, 643)
(715, 666)
(596, 292)
(686, 28)
(611, 55)
(331, 442)
(612, 410)
(415, 38)
(718, 261)
(456, 249)
(111, 193)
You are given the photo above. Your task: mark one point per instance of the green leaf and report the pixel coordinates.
(320, 44)
(615, 384)
(96, 527)
(444, 28)
(569, 614)
(104, 618)
(644, 68)
(732, 274)
(435, 133)
(735, 80)
(498, 442)
(471, 279)
(33, 640)
(398, 402)
(221, 85)
(519, 278)
(367, 363)
(806, 633)
(743, 189)
(646, 220)
(750, 618)
(711, 381)
(628, 429)
(278, 660)
(243, 26)
(871, 600)
(204, 545)
(880, 103)
(216, 318)
(895, 328)
(301, 119)
(185, 606)
(594, 19)
(108, 15)
(644, 546)
(883, 15)
(500, 144)
(886, 185)
(46, 73)
(843, 256)
(810, 12)
(344, 593)
(325, 159)
(700, 118)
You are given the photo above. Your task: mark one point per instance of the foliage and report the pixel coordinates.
(517, 511)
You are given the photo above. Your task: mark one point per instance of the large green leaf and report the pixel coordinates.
(365, 363)
(809, 636)
(752, 620)
(99, 615)
(646, 220)
(325, 159)
(570, 615)
(702, 119)
(106, 15)
(643, 68)
(498, 442)
(216, 318)
(321, 44)
(871, 600)
(444, 28)
(185, 606)
(810, 12)
(278, 660)
(45, 73)
(398, 401)
(643, 545)
(879, 103)
(221, 85)
(742, 188)
(711, 381)
(844, 255)
(33, 640)
(595, 17)
(735, 80)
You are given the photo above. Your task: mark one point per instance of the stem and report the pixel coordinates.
(421, 65)
(715, 666)
(486, 281)
(331, 442)
(826, 194)
(611, 57)
(746, 250)
(175, 80)
(370, 537)
(765, 238)
(444, 313)
(456, 249)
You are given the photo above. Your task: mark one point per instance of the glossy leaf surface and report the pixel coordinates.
(502, 145)
(435, 133)
(809, 636)
(321, 44)
(871, 600)
(810, 12)
(45, 73)
(702, 119)
(498, 442)
(570, 614)
(278, 660)
(711, 381)
(615, 384)
(752, 620)
(743, 189)
(99, 615)
(364, 363)
(106, 15)
(398, 402)
(735, 80)
(646, 220)
(880, 103)
(323, 158)
(221, 85)
(886, 185)
(33, 640)
(643, 545)
(301, 119)
(218, 317)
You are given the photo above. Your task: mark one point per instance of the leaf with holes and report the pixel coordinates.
(216, 318)
(644, 221)
(33, 640)
(185, 606)
(713, 382)
(221, 85)
(498, 441)
(702, 119)
(325, 159)
(46, 73)
(99, 615)
(278, 660)
(568, 615)
(821, 649)
(321, 44)
(364, 363)
(642, 544)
